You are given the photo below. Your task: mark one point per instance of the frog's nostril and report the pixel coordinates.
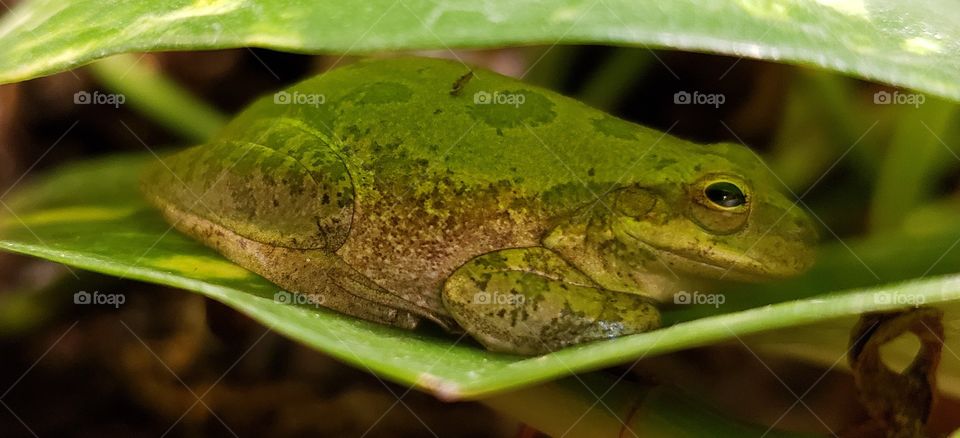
(810, 235)
(805, 232)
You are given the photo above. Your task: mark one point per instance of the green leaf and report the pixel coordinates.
(89, 215)
(914, 44)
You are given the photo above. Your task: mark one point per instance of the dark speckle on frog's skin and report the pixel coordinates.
(664, 163)
(614, 127)
(529, 220)
(512, 109)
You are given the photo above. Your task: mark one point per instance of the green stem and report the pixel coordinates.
(912, 163)
(552, 65)
(571, 408)
(820, 123)
(159, 98)
(615, 74)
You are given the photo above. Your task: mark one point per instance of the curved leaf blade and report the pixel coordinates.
(913, 44)
(89, 215)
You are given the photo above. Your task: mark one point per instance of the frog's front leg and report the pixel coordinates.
(531, 301)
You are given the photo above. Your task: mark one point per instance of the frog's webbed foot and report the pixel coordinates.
(531, 301)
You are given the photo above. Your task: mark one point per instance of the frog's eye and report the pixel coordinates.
(721, 203)
(725, 194)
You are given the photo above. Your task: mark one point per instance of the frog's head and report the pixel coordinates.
(718, 213)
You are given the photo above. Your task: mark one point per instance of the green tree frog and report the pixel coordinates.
(398, 190)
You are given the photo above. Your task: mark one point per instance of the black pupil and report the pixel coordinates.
(725, 194)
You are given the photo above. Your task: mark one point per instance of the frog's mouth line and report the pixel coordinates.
(680, 258)
(705, 269)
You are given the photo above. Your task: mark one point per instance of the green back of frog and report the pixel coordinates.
(426, 120)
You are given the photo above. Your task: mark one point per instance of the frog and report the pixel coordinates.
(407, 189)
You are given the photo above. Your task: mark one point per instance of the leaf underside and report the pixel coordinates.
(913, 44)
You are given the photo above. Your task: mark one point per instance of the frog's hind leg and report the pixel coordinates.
(322, 277)
(279, 206)
(531, 301)
(339, 286)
